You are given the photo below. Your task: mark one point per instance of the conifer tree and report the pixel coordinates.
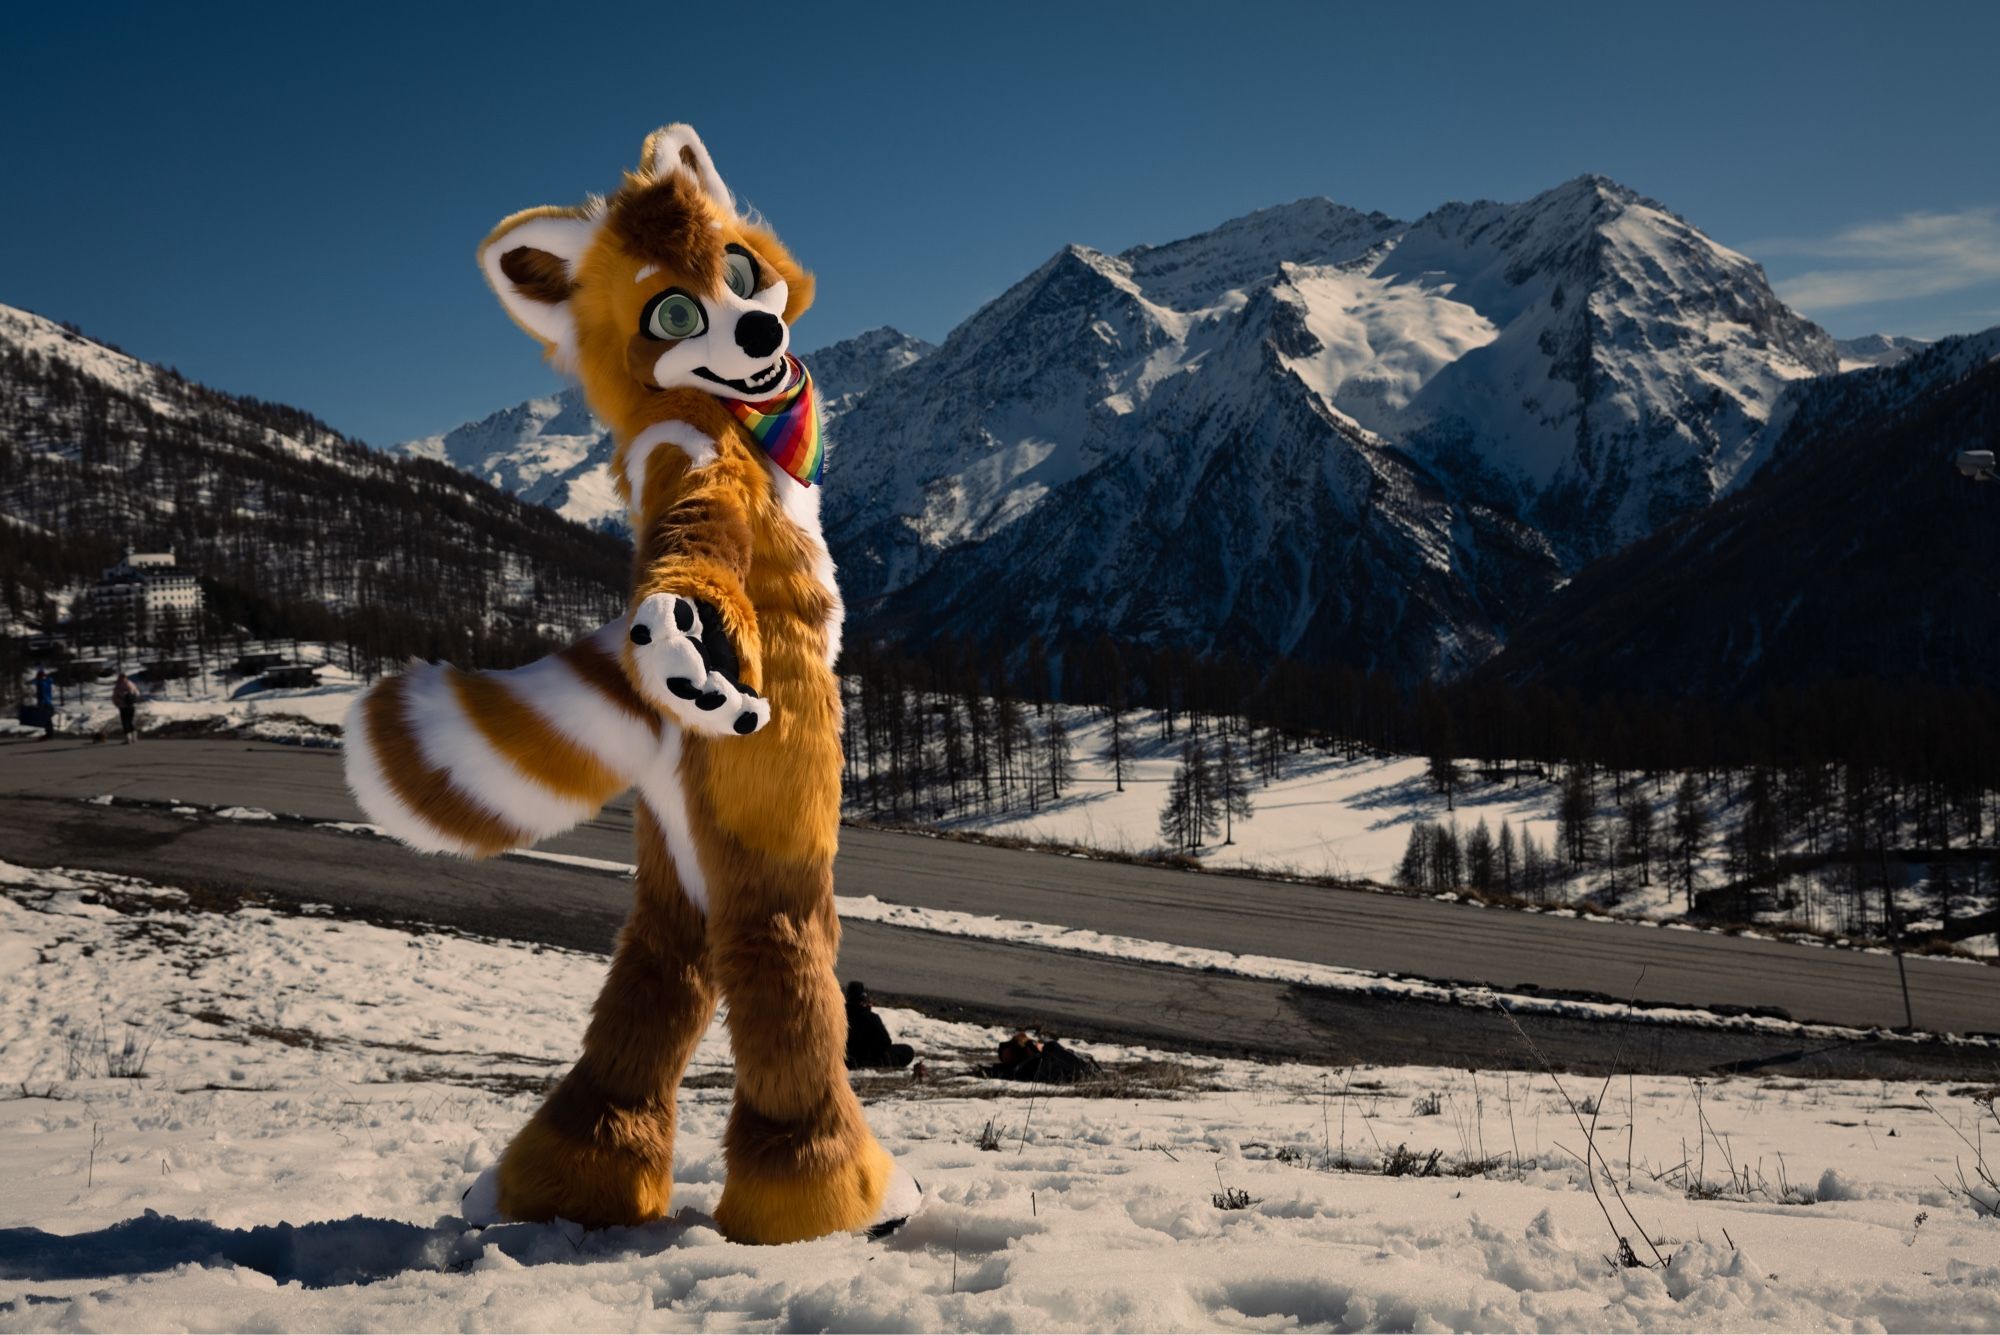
(1056, 752)
(1479, 857)
(1414, 872)
(1576, 817)
(1115, 745)
(1688, 828)
(1638, 833)
(1232, 784)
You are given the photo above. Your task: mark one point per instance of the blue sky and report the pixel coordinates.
(284, 200)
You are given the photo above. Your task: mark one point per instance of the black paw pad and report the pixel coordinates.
(682, 687)
(642, 635)
(683, 616)
(710, 700)
(746, 724)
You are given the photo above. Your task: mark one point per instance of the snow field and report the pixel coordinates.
(1325, 816)
(311, 715)
(317, 1093)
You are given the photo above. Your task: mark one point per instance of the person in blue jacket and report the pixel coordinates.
(45, 700)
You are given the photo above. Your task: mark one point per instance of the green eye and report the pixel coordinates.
(739, 271)
(674, 314)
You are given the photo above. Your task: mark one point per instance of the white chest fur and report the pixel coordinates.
(800, 504)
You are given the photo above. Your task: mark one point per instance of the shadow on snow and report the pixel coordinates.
(356, 1250)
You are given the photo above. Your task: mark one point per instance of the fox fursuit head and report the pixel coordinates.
(713, 696)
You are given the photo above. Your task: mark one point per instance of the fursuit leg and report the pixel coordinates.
(801, 1160)
(601, 1149)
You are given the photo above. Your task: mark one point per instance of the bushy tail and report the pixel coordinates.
(478, 762)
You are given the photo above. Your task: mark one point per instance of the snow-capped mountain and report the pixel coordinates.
(1863, 553)
(548, 451)
(551, 451)
(1199, 442)
(1870, 350)
(1309, 430)
(1631, 366)
(846, 370)
(1118, 445)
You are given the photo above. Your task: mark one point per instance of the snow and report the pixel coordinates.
(552, 451)
(120, 372)
(1323, 817)
(1381, 339)
(549, 451)
(1326, 816)
(317, 1094)
(309, 715)
(1872, 350)
(117, 370)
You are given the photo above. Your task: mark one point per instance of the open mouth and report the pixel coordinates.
(766, 381)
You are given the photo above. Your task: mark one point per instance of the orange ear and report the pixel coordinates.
(530, 260)
(678, 148)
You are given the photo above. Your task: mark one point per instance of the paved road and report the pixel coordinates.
(221, 862)
(1416, 937)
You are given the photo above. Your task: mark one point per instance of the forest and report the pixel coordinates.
(294, 531)
(1826, 786)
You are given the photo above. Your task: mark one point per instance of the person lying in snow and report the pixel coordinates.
(1049, 1063)
(868, 1042)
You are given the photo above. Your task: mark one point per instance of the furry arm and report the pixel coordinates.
(693, 647)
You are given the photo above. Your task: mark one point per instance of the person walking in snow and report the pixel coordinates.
(45, 701)
(868, 1038)
(125, 695)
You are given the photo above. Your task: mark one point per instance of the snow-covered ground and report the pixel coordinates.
(242, 705)
(316, 1094)
(1325, 816)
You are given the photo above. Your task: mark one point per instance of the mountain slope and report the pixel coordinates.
(1633, 364)
(1315, 430)
(1860, 552)
(1308, 430)
(551, 451)
(1116, 446)
(290, 525)
(1872, 350)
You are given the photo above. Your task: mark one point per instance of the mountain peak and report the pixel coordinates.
(1331, 407)
(1600, 185)
(1195, 271)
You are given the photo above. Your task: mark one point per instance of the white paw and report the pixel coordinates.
(480, 1205)
(899, 1204)
(685, 664)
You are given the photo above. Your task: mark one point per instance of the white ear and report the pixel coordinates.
(679, 148)
(531, 260)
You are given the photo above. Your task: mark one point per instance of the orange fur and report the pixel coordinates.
(517, 732)
(477, 762)
(763, 810)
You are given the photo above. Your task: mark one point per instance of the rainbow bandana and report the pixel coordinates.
(787, 425)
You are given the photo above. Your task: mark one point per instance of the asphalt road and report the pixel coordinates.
(41, 823)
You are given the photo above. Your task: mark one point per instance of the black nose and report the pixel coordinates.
(759, 333)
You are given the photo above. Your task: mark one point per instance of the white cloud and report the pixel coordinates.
(1916, 255)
